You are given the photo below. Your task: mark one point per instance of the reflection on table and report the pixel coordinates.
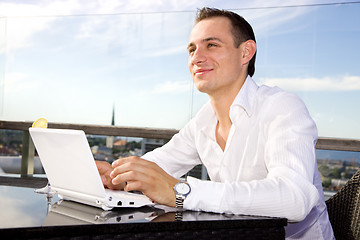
(27, 215)
(72, 213)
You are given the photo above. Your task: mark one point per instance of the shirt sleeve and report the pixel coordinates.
(288, 189)
(179, 155)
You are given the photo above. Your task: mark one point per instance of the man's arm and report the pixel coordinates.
(179, 155)
(288, 189)
(156, 173)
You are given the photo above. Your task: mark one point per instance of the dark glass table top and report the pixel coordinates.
(22, 207)
(31, 214)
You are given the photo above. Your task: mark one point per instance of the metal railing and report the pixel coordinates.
(27, 163)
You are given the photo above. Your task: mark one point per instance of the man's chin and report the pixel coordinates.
(201, 85)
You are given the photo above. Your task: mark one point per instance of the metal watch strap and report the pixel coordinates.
(179, 201)
(178, 216)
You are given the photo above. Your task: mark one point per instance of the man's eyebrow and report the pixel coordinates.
(212, 39)
(205, 40)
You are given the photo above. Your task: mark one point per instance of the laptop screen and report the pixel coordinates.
(67, 160)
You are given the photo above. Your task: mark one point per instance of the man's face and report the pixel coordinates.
(214, 62)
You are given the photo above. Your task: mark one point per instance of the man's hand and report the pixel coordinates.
(105, 169)
(145, 176)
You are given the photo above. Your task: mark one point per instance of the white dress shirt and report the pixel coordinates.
(268, 166)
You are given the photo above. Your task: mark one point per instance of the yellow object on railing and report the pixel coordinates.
(40, 123)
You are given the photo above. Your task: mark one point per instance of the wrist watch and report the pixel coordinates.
(182, 189)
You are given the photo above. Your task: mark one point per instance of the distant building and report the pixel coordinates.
(102, 153)
(337, 184)
(110, 139)
(119, 143)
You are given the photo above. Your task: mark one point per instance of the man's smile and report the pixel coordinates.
(202, 71)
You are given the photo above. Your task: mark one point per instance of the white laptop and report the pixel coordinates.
(71, 170)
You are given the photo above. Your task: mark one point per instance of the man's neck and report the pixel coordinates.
(221, 103)
(223, 126)
(221, 107)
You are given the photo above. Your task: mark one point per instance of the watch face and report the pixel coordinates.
(182, 188)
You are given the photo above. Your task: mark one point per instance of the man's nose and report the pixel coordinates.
(198, 57)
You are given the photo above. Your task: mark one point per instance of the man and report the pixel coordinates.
(257, 143)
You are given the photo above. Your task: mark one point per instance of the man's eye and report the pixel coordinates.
(212, 45)
(191, 50)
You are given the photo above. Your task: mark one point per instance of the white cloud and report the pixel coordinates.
(166, 51)
(26, 19)
(15, 82)
(20, 30)
(344, 83)
(23, 20)
(172, 87)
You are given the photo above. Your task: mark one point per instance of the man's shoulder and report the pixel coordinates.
(276, 94)
(275, 100)
(271, 91)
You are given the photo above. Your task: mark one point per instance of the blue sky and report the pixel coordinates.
(71, 61)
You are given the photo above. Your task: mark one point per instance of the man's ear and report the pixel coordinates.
(248, 51)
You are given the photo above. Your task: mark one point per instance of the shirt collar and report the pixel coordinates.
(246, 96)
(206, 120)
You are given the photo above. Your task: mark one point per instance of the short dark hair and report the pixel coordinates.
(241, 29)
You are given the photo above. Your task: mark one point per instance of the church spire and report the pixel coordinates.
(113, 116)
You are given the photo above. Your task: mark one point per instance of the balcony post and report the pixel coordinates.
(28, 152)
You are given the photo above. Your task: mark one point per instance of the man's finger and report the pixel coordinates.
(129, 176)
(131, 166)
(103, 167)
(133, 186)
(134, 159)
